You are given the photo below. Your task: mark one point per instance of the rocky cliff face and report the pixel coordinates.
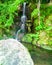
(13, 52)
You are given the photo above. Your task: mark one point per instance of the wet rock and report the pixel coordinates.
(13, 52)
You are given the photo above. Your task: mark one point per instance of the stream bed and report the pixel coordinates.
(40, 56)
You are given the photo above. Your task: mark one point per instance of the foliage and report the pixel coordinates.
(34, 13)
(44, 28)
(30, 37)
(35, 1)
(40, 26)
(7, 11)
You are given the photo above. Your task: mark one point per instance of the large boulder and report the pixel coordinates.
(13, 52)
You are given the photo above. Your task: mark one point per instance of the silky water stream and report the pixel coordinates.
(20, 33)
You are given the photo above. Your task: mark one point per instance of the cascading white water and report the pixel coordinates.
(20, 34)
(23, 17)
(24, 8)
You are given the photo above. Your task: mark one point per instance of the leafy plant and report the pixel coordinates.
(7, 10)
(29, 38)
(34, 13)
(45, 26)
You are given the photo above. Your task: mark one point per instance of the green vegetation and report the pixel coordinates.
(42, 26)
(39, 33)
(7, 10)
(41, 18)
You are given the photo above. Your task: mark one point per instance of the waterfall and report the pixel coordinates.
(24, 8)
(20, 33)
(23, 17)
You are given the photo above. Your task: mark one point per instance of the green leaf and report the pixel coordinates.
(9, 21)
(34, 13)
